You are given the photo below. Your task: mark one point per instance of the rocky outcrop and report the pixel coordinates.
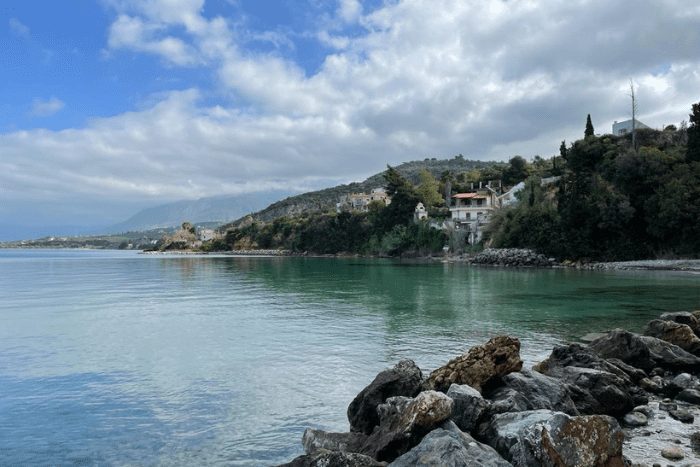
(447, 446)
(678, 334)
(529, 390)
(644, 352)
(326, 458)
(469, 406)
(683, 317)
(596, 385)
(404, 422)
(403, 380)
(543, 437)
(314, 440)
(482, 364)
(514, 257)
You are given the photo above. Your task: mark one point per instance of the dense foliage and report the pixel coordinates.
(613, 202)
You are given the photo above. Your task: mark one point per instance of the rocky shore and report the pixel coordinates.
(624, 399)
(513, 257)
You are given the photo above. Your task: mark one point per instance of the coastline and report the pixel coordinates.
(622, 399)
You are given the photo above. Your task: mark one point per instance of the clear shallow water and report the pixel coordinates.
(115, 358)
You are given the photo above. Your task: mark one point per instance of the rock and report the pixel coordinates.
(314, 440)
(469, 406)
(515, 257)
(645, 409)
(667, 406)
(325, 458)
(404, 422)
(635, 419)
(672, 453)
(591, 336)
(691, 396)
(482, 364)
(634, 374)
(543, 437)
(683, 317)
(404, 379)
(682, 415)
(447, 446)
(695, 441)
(528, 390)
(644, 352)
(679, 383)
(651, 386)
(675, 333)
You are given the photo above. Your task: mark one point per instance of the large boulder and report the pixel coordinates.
(325, 458)
(679, 334)
(404, 422)
(447, 446)
(469, 406)
(404, 379)
(683, 317)
(548, 438)
(596, 385)
(314, 440)
(481, 365)
(528, 390)
(644, 352)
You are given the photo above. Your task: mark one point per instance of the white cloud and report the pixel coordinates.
(18, 28)
(46, 108)
(423, 78)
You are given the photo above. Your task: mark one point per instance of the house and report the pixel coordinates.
(360, 201)
(472, 211)
(420, 213)
(622, 128)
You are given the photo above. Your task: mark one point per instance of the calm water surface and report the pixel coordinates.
(115, 358)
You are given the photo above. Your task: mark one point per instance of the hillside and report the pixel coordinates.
(217, 209)
(326, 199)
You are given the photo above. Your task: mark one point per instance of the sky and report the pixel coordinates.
(109, 106)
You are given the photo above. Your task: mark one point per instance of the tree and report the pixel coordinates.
(429, 189)
(693, 151)
(516, 171)
(562, 150)
(403, 201)
(589, 127)
(634, 116)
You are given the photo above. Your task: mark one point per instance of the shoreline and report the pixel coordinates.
(622, 399)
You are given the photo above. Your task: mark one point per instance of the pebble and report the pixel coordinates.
(672, 453)
(636, 419)
(681, 415)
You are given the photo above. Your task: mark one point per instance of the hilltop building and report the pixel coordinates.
(360, 201)
(622, 128)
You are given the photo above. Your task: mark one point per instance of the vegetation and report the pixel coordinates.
(612, 202)
(589, 127)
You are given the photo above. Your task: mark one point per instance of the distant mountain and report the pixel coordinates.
(323, 200)
(217, 209)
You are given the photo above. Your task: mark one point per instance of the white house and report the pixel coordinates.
(622, 128)
(472, 211)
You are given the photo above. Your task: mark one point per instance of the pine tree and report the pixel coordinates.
(589, 127)
(562, 150)
(693, 151)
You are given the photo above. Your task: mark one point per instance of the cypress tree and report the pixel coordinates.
(589, 127)
(693, 150)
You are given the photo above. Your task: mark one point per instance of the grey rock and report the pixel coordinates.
(403, 424)
(651, 385)
(529, 390)
(644, 352)
(447, 446)
(675, 333)
(542, 437)
(645, 409)
(404, 379)
(691, 396)
(325, 458)
(314, 440)
(672, 453)
(635, 419)
(469, 406)
(667, 406)
(682, 415)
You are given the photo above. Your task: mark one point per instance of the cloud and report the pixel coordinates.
(46, 108)
(18, 28)
(410, 79)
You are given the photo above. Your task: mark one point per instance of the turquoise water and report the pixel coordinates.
(115, 358)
